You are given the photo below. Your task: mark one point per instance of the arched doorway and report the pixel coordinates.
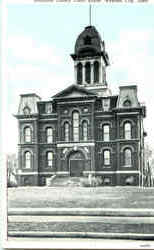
(76, 162)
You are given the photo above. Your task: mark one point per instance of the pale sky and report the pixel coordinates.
(39, 38)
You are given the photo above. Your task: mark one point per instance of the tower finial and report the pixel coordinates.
(90, 14)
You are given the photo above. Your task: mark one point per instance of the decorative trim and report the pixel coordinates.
(47, 114)
(61, 172)
(85, 172)
(106, 148)
(105, 172)
(128, 172)
(49, 119)
(84, 119)
(68, 152)
(75, 144)
(47, 173)
(118, 172)
(48, 126)
(128, 113)
(127, 146)
(27, 173)
(66, 120)
(77, 101)
(27, 125)
(27, 149)
(89, 172)
(127, 120)
(106, 123)
(126, 140)
(28, 119)
(103, 116)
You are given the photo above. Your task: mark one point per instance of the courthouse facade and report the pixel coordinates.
(83, 129)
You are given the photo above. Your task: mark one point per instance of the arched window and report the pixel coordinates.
(127, 130)
(106, 155)
(27, 134)
(106, 133)
(49, 135)
(66, 131)
(88, 72)
(127, 103)
(128, 157)
(50, 159)
(79, 73)
(76, 126)
(27, 159)
(26, 111)
(96, 71)
(85, 130)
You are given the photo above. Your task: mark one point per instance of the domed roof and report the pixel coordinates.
(89, 42)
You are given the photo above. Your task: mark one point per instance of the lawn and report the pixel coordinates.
(74, 197)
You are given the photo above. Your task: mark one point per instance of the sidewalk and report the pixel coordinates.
(128, 212)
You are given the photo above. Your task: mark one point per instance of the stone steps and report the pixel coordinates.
(65, 181)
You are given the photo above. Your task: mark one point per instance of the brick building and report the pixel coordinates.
(84, 129)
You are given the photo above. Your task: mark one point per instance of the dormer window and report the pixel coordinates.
(106, 104)
(87, 40)
(48, 108)
(127, 103)
(26, 111)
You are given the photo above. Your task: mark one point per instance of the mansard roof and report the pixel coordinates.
(74, 91)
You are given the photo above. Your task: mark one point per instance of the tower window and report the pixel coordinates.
(49, 135)
(79, 73)
(88, 72)
(96, 71)
(27, 160)
(76, 126)
(87, 40)
(106, 133)
(27, 134)
(50, 159)
(66, 131)
(85, 130)
(128, 157)
(127, 130)
(106, 155)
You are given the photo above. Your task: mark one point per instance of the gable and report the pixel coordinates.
(73, 91)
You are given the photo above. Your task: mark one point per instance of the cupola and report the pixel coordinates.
(90, 58)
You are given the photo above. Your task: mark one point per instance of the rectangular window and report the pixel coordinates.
(106, 157)
(50, 159)
(27, 134)
(66, 131)
(106, 132)
(106, 104)
(49, 132)
(76, 126)
(127, 131)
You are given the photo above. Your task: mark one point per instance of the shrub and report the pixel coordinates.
(92, 182)
(11, 184)
(84, 182)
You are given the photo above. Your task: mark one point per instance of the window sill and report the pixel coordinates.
(127, 166)
(106, 166)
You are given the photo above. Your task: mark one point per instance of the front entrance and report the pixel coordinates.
(76, 164)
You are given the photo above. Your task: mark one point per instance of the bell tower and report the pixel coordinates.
(90, 59)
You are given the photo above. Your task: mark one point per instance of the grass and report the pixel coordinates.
(69, 197)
